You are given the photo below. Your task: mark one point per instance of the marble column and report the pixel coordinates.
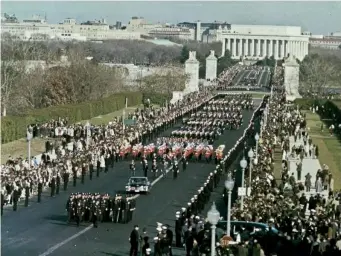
(276, 49)
(234, 47)
(223, 47)
(265, 48)
(227, 44)
(283, 49)
(240, 48)
(271, 53)
(259, 43)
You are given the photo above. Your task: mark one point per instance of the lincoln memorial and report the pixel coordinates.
(258, 41)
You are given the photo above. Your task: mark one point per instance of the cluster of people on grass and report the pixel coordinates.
(21, 177)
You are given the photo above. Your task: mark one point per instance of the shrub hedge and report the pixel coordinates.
(157, 98)
(14, 127)
(329, 109)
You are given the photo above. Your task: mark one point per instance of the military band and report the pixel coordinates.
(96, 207)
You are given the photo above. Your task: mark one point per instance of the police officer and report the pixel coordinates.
(83, 172)
(169, 234)
(175, 169)
(178, 229)
(16, 195)
(53, 186)
(40, 189)
(27, 193)
(57, 183)
(66, 176)
(74, 175)
(95, 211)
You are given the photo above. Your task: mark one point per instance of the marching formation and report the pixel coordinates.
(94, 207)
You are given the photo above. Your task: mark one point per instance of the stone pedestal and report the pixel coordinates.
(177, 95)
(192, 70)
(291, 78)
(211, 66)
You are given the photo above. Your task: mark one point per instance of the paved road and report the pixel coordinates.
(263, 79)
(42, 230)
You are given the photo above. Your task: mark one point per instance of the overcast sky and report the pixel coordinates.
(317, 17)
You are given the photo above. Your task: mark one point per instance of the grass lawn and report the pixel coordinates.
(20, 147)
(258, 95)
(329, 147)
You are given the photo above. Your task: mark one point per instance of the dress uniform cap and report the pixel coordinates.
(178, 212)
(164, 227)
(188, 203)
(197, 217)
(156, 238)
(211, 174)
(159, 229)
(195, 196)
(192, 199)
(183, 209)
(148, 249)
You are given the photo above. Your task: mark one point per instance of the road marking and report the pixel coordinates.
(55, 247)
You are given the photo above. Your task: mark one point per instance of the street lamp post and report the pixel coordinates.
(250, 155)
(88, 134)
(29, 136)
(257, 140)
(229, 184)
(213, 217)
(243, 164)
(261, 127)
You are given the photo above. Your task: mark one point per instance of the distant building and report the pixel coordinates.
(181, 33)
(38, 29)
(326, 43)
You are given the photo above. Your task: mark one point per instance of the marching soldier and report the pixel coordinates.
(94, 212)
(132, 168)
(175, 169)
(184, 163)
(154, 168)
(123, 212)
(145, 167)
(116, 209)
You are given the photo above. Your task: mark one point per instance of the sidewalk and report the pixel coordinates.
(309, 165)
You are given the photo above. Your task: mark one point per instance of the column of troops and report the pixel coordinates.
(95, 207)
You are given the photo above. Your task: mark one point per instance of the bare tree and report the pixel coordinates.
(317, 73)
(164, 81)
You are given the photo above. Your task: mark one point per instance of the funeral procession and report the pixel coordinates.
(222, 167)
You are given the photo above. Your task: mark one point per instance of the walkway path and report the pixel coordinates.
(309, 165)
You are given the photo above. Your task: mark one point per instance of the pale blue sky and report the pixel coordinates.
(317, 17)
